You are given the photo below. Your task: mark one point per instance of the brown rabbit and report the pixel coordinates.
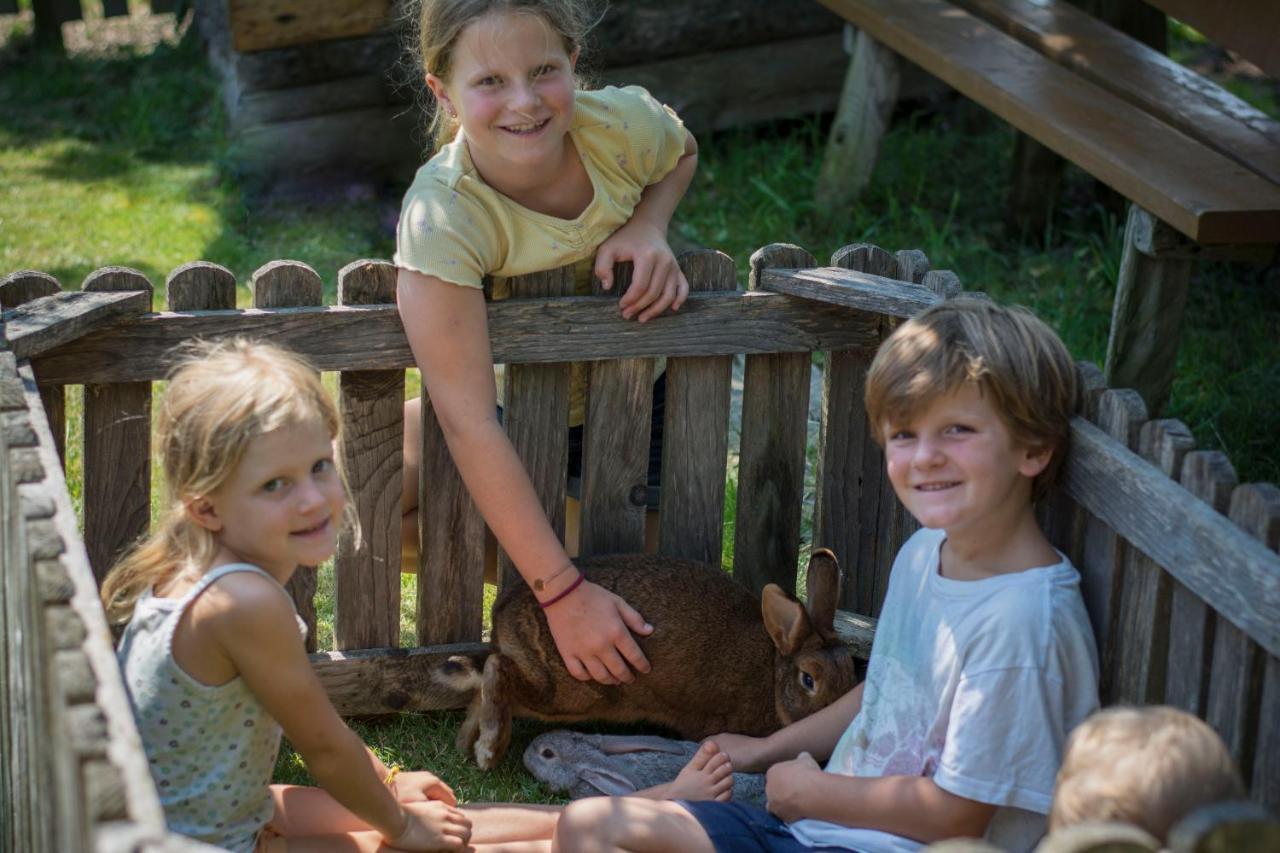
(722, 662)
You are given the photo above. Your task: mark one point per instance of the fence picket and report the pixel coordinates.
(200, 286)
(695, 437)
(19, 288)
(291, 284)
(366, 579)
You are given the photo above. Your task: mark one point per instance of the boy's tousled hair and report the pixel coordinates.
(220, 397)
(1006, 351)
(1146, 766)
(440, 23)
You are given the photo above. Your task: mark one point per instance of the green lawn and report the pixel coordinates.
(121, 159)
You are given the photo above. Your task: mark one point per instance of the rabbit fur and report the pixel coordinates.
(589, 765)
(722, 660)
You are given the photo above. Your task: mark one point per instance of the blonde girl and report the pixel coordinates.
(213, 654)
(533, 174)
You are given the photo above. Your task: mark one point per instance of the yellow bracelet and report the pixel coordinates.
(391, 775)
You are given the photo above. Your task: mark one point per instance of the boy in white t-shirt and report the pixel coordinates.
(983, 658)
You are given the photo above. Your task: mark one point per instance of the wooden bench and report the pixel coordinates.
(1201, 167)
(1184, 598)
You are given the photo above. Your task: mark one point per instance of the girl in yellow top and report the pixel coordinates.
(537, 175)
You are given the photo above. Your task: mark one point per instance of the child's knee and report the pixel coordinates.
(592, 819)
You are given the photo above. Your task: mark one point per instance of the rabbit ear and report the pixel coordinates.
(784, 619)
(621, 744)
(822, 590)
(607, 781)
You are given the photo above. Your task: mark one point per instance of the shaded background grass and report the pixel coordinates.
(117, 155)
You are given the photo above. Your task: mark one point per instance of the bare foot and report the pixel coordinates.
(707, 776)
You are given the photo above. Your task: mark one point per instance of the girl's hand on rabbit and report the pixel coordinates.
(786, 785)
(656, 280)
(433, 825)
(420, 785)
(592, 628)
(744, 751)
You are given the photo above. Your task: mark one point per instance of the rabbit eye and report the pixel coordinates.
(807, 682)
(547, 753)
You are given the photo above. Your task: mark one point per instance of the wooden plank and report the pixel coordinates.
(16, 289)
(200, 286)
(117, 449)
(1237, 667)
(615, 446)
(366, 579)
(862, 290)
(1144, 77)
(856, 631)
(1251, 27)
(1202, 549)
(1266, 763)
(695, 434)
(866, 104)
(775, 416)
(1210, 477)
(17, 665)
(368, 682)
(450, 600)
(1203, 194)
(266, 24)
(287, 284)
(43, 324)
(1145, 590)
(536, 415)
(521, 332)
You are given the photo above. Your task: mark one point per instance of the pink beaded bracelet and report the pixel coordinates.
(570, 588)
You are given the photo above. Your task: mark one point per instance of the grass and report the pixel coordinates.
(120, 158)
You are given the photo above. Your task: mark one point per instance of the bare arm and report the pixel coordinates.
(656, 283)
(447, 327)
(816, 734)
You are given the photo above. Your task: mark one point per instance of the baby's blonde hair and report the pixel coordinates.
(221, 396)
(1146, 766)
(1006, 351)
(441, 22)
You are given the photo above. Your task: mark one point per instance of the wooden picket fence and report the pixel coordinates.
(1184, 598)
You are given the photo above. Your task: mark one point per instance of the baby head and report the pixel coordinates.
(1146, 766)
(1007, 354)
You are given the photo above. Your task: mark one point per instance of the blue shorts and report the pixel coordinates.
(741, 828)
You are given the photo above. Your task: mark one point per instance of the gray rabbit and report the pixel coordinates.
(591, 765)
(722, 660)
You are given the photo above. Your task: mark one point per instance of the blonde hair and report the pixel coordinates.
(1006, 351)
(221, 396)
(1146, 766)
(441, 22)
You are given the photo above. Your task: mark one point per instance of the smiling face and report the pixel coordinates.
(282, 505)
(511, 86)
(956, 466)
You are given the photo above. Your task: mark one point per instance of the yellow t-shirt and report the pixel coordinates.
(457, 228)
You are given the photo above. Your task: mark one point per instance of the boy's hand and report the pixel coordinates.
(592, 628)
(656, 280)
(786, 783)
(420, 786)
(743, 750)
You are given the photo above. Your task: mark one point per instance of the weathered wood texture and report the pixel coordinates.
(17, 289)
(259, 25)
(367, 567)
(117, 449)
(775, 406)
(695, 434)
(45, 323)
(286, 284)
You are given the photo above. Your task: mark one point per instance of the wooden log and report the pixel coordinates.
(366, 572)
(49, 322)
(1237, 666)
(16, 289)
(1209, 476)
(775, 409)
(1145, 590)
(1230, 827)
(258, 25)
(521, 332)
(368, 682)
(200, 286)
(536, 415)
(866, 104)
(332, 142)
(287, 284)
(1120, 414)
(695, 434)
(857, 289)
(117, 449)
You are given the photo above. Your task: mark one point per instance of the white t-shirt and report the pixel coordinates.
(975, 684)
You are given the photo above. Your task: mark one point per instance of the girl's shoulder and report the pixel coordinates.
(617, 107)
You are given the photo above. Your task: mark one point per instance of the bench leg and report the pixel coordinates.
(1146, 321)
(862, 117)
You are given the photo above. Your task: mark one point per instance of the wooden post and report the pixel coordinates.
(775, 419)
(17, 289)
(695, 434)
(366, 575)
(291, 284)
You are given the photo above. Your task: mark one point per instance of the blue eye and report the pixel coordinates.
(322, 466)
(275, 484)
